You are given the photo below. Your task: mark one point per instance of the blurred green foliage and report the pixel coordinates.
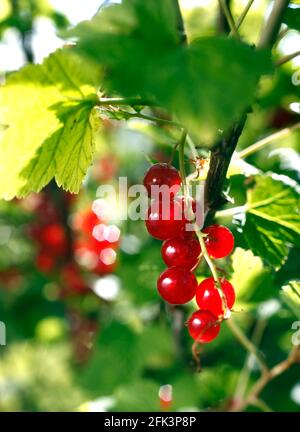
(137, 346)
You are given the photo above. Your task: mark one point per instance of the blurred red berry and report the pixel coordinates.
(53, 237)
(72, 279)
(44, 261)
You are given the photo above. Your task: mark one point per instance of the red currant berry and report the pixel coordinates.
(162, 174)
(164, 219)
(107, 262)
(177, 285)
(219, 242)
(203, 326)
(85, 221)
(45, 262)
(181, 252)
(72, 279)
(107, 235)
(208, 296)
(53, 236)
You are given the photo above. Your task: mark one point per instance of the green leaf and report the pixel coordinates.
(292, 18)
(66, 155)
(290, 294)
(212, 384)
(272, 218)
(116, 360)
(252, 281)
(49, 125)
(139, 395)
(206, 84)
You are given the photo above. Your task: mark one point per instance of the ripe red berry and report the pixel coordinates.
(85, 221)
(106, 235)
(177, 285)
(72, 279)
(164, 219)
(181, 251)
(44, 261)
(219, 242)
(53, 236)
(162, 174)
(107, 262)
(208, 296)
(203, 326)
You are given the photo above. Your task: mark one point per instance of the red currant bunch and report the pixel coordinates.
(181, 251)
(89, 244)
(97, 242)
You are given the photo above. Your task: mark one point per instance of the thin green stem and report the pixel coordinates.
(208, 259)
(231, 211)
(213, 270)
(199, 234)
(229, 17)
(247, 344)
(271, 29)
(123, 101)
(267, 140)
(192, 147)
(243, 15)
(153, 119)
(261, 405)
(246, 371)
(280, 36)
(181, 145)
(287, 58)
(267, 376)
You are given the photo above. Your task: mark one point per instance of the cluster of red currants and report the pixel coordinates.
(96, 241)
(87, 243)
(181, 252)
(47, 231)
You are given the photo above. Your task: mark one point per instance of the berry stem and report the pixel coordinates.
(227, 12)
(123, 101)
(200, 235)
(153, 119)
(245, 374)
(213, 270)
(235, 329)
(181, 162)
(243, 15)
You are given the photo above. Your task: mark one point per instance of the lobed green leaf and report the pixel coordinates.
(48, 125)
(272, 218)
(206, 84)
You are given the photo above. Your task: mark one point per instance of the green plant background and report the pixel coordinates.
(137, 348)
